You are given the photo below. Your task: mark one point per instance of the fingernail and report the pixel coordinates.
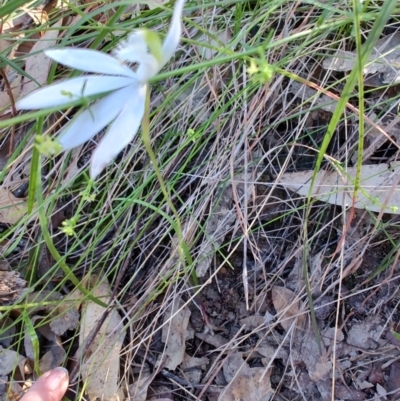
(56, 378)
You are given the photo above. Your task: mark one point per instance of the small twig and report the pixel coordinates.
(13, 109)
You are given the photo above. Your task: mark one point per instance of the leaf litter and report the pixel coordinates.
(38, 65)
(385, 60)
(256, 355)
(378, 186)
(101, 361)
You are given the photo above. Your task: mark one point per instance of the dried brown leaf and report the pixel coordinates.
(378, 186)
(11, 208)
(7, 332)
(215, 340)
(138, 389)
(245, 383)
(100, 370)
(9, 359)
(393, 381)
(192, 368)
(37, 66)
(308, 352)
(385, 59)
(15, 85)
(66, 317)
(286, 306)
(175, 334)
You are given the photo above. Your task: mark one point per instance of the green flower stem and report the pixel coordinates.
(45, 231)
(32, 177)
(184, 254)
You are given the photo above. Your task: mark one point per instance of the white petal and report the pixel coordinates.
(89, 61)
(173, 37)
(67, 91)
(121, 132)
(87, 124)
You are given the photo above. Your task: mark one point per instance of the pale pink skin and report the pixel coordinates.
(51, 386)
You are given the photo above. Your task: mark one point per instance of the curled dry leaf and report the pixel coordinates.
(175, 334)
(51, 359)
(378, 191)
(192, 368)
(287, 307)
(100, 369)
(11, 287)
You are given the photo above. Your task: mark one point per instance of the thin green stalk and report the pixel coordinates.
(100, 37)
(31, 332)
(184, 253)
(359, 69)
(45, 231)
(11, 6)
(33, 175)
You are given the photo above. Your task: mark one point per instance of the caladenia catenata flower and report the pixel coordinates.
(124, 90)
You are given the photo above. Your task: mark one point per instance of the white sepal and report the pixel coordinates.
(173, 37)
(70, 90)
(121, 132)
(86, 125)
(89, 61)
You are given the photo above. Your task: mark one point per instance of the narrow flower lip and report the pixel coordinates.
(121, 132)
(65, 92)
(134, 50)
(89, 61)
(90, 122)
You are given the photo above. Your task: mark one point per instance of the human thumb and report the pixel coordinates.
(51, 386)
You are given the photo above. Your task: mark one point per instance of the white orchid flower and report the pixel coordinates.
(125, 90)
